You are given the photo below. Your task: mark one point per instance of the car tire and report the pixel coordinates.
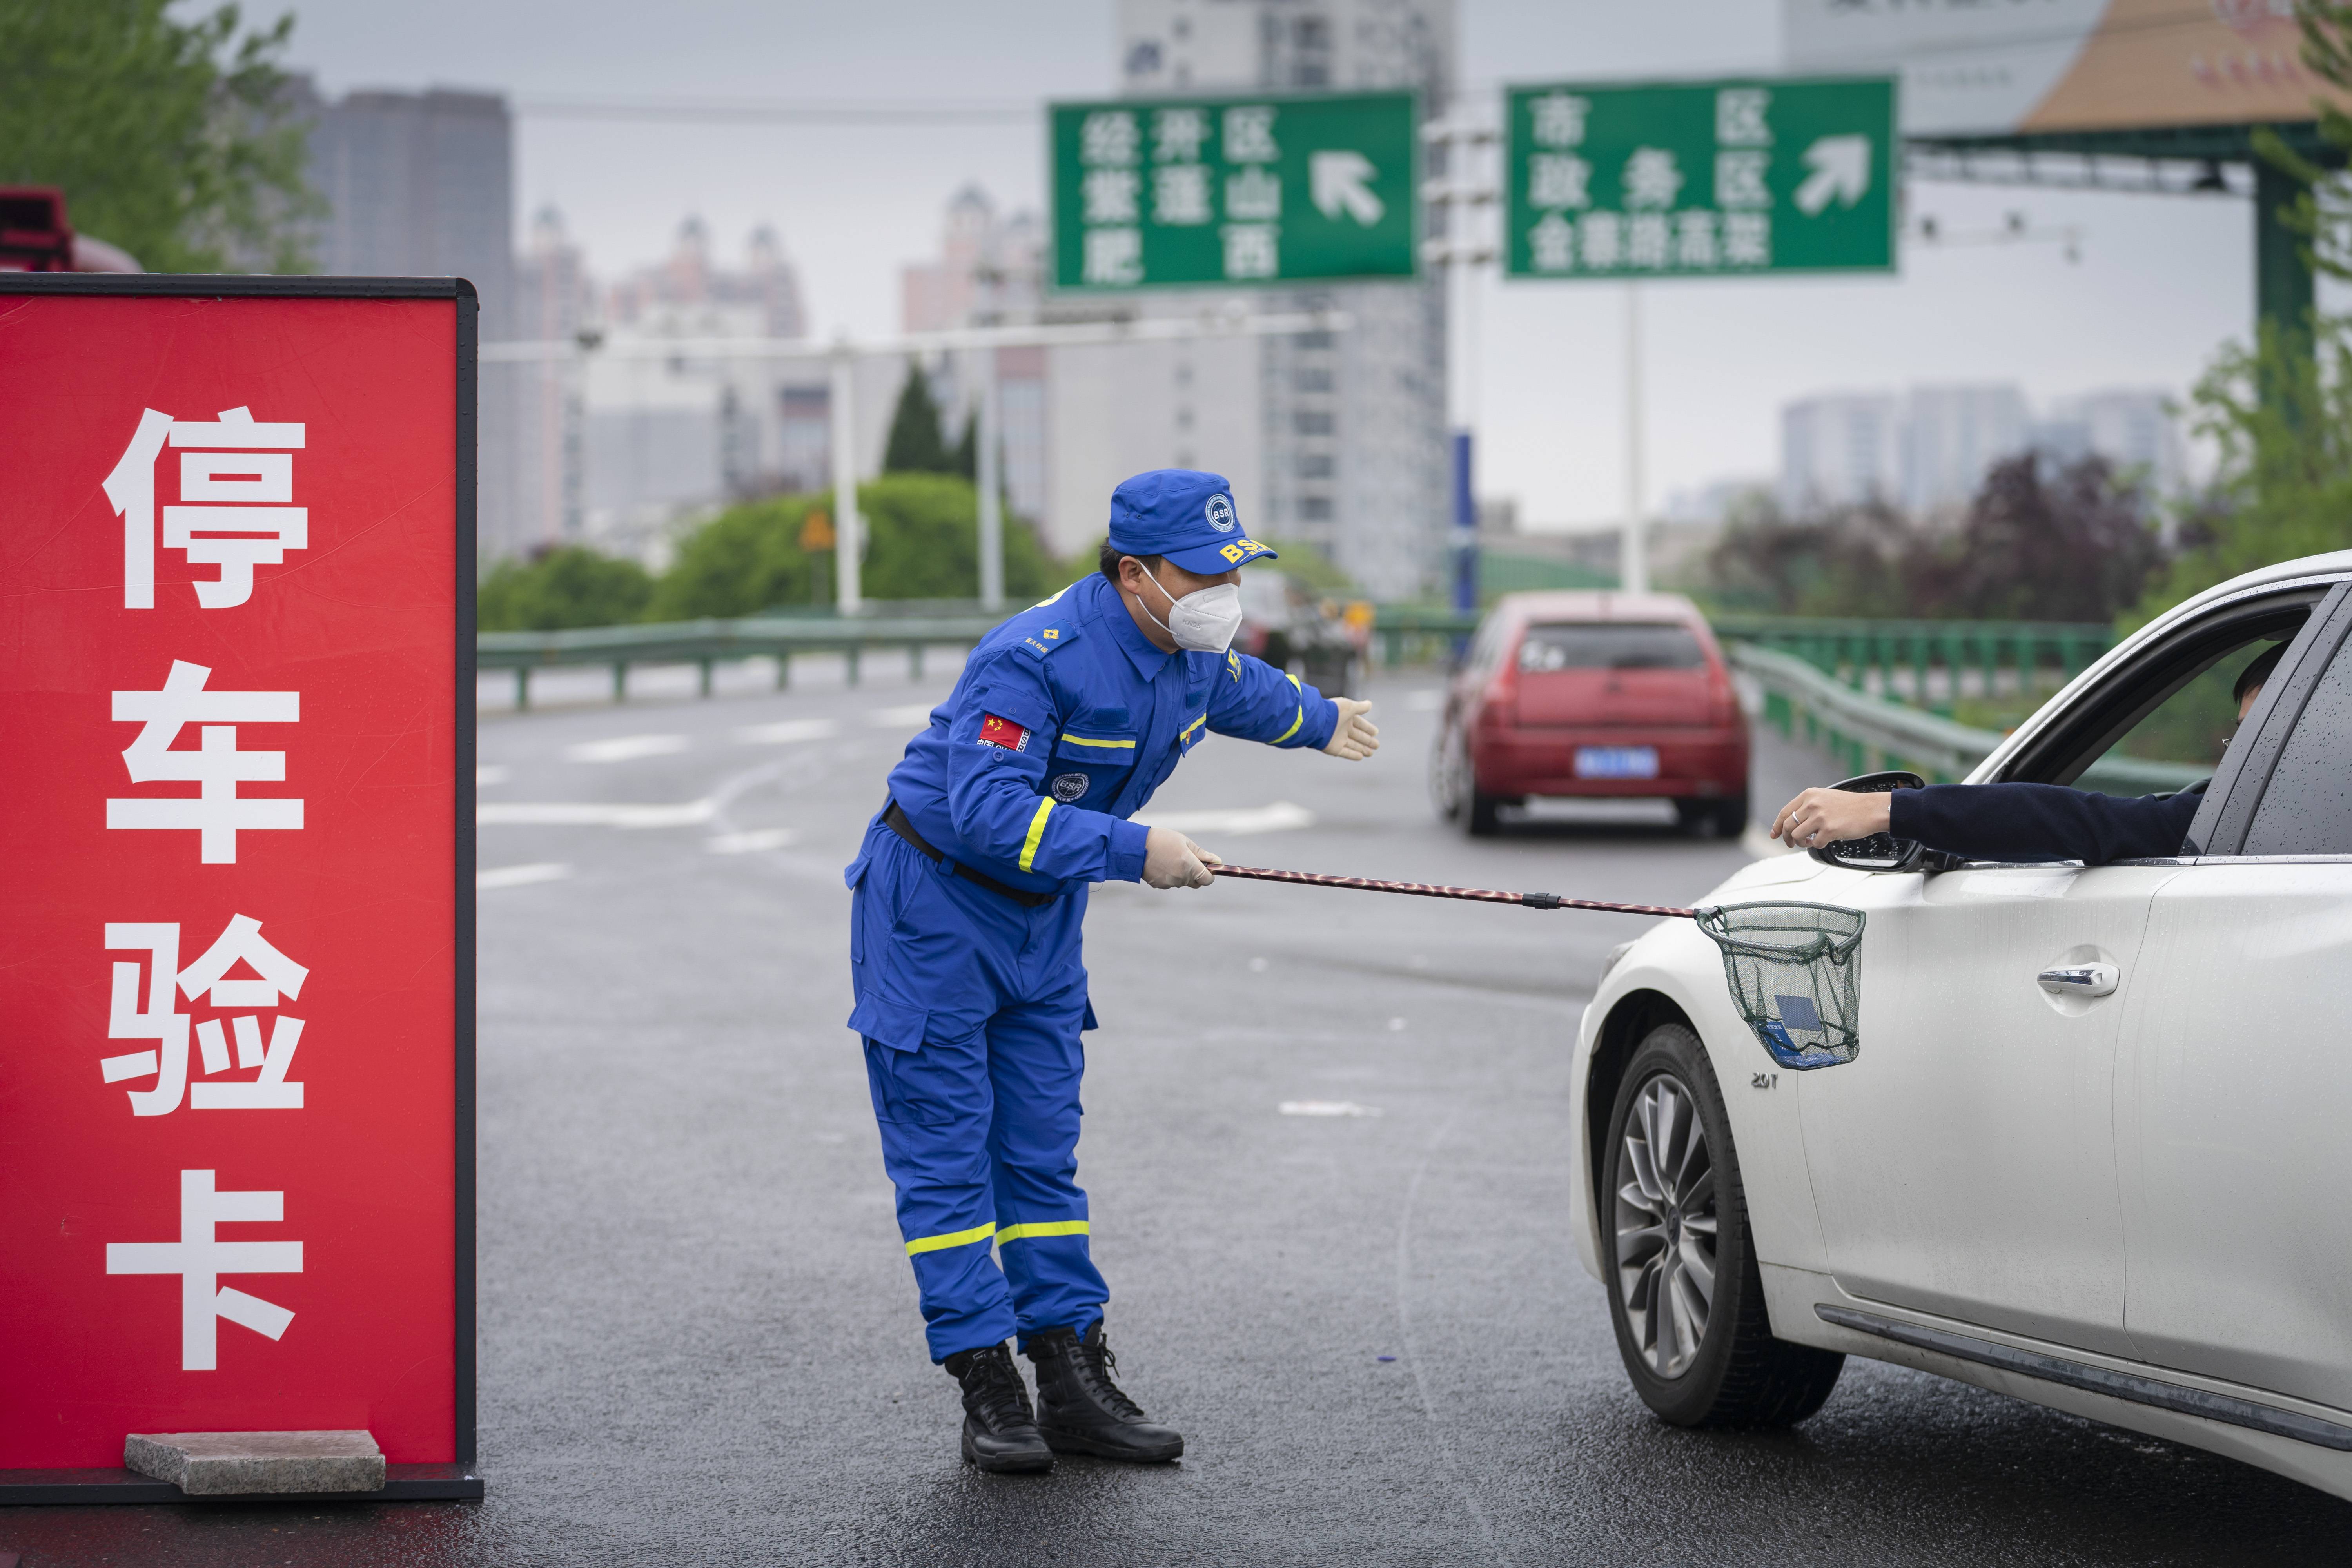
(1482, 820)
(1732, 816)
(1453, 787)
(1685, 1292)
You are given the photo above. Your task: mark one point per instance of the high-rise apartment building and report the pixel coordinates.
(1952, 438)
(1929, 451)
(1350, 449)
(421, 184)
(1841, 448)
(555, 301)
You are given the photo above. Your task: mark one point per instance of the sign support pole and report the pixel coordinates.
(992, 488)
(848, 543)
(1633, 550)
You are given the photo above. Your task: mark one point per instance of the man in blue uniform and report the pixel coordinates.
(969, 893)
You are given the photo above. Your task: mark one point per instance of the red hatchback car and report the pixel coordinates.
(1616, 696)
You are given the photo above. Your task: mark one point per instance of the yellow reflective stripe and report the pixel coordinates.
(1193, 725)
(1043, 1228)
(954, 1238)
(1037, 831)
(1083, 741)
(1294, 680)
(1294, 723)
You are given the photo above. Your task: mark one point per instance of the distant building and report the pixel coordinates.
(671, 434)
(1929, 451)
(1839, 449)
(1337, 440)
(990, 272)
(2134, 429)
(421, 184)
(1952, 438)
(555, 301)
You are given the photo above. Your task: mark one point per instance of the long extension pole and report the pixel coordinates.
(1433, 890)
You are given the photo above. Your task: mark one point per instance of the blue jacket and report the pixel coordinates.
(2043, 822)
(1084, 719)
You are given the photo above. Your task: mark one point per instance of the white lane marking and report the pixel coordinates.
(750, 841)
(1326, 1108)
(1424, 701)
(566, 814)
(520, 876)
(787, 733)
(625, 748)
(915, 714)
(1278, 817)
(491, 774)
(1395, 1025)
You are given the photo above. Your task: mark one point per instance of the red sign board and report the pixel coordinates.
(235, 679)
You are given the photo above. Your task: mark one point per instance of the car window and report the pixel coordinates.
(2306, 808)
(1611, 645)
(2182, 739)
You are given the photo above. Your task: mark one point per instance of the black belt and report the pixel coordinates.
(896, 821)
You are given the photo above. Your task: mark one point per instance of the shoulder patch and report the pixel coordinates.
(1234, 663)
(1046, 639)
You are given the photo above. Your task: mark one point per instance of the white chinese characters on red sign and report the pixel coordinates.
(232, 845)
(240, 494)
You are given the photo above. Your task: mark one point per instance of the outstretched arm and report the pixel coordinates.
(1997, 821)
(1255, 701)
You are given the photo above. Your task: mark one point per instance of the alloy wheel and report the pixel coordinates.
(1666, 1226)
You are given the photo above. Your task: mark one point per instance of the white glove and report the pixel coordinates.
(1354, 737)
(1173, 861)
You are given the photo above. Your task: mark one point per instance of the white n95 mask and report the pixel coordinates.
(1203, 622)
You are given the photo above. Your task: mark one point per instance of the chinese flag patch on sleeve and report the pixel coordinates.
(1004, 732)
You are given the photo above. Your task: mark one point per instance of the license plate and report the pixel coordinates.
(1616, 762)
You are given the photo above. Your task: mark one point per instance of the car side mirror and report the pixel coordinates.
(1880, 851)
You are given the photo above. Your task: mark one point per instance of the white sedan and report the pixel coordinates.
(2095, 1150)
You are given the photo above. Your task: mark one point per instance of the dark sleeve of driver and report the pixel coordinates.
(2043, 822)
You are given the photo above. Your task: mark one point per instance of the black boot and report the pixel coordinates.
(999, 1431)
(1081, 1410)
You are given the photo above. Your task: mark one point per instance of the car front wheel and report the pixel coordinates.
(1685, 1292)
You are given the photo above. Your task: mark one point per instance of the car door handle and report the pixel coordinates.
(2080, 979)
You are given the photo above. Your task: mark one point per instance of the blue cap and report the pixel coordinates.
(1184, 515)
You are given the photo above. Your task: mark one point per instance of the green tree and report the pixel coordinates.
(2282, 422)
(916, 445)
(922, 542)
(572, 586)
(176, 139)
(746, 560)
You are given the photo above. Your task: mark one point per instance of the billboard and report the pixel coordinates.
(238, 1162)
(1975, 69)
(1234, 193)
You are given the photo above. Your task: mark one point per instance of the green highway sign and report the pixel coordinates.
(1700, 179)
(1235, 192)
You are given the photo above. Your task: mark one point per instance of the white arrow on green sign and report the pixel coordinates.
(1235, 192)
(1700, 179)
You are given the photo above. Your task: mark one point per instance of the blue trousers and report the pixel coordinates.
(971, 1008)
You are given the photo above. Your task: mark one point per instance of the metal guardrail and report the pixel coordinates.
(1866, 734)
(706, 643)
(1903, 652)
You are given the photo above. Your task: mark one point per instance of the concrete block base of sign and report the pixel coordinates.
(217, 1464)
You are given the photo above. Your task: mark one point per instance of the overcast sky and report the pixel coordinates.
(2161, 282)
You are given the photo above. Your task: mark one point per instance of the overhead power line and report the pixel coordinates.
(801, 112)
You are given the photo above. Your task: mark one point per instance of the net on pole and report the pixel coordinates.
(1794, 975)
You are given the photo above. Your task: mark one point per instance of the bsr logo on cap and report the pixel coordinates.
(1220, 514)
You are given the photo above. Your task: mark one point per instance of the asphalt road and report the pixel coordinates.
(699, 1340)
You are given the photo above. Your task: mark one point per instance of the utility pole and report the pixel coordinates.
(1458, 194)
(992, 488)
(848, 540)
(1633, 547)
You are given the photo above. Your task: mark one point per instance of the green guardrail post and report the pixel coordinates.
(851, 655)
(783, 669)
(620, 682)
(914, 661)
(523, 689)
(703, 683)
